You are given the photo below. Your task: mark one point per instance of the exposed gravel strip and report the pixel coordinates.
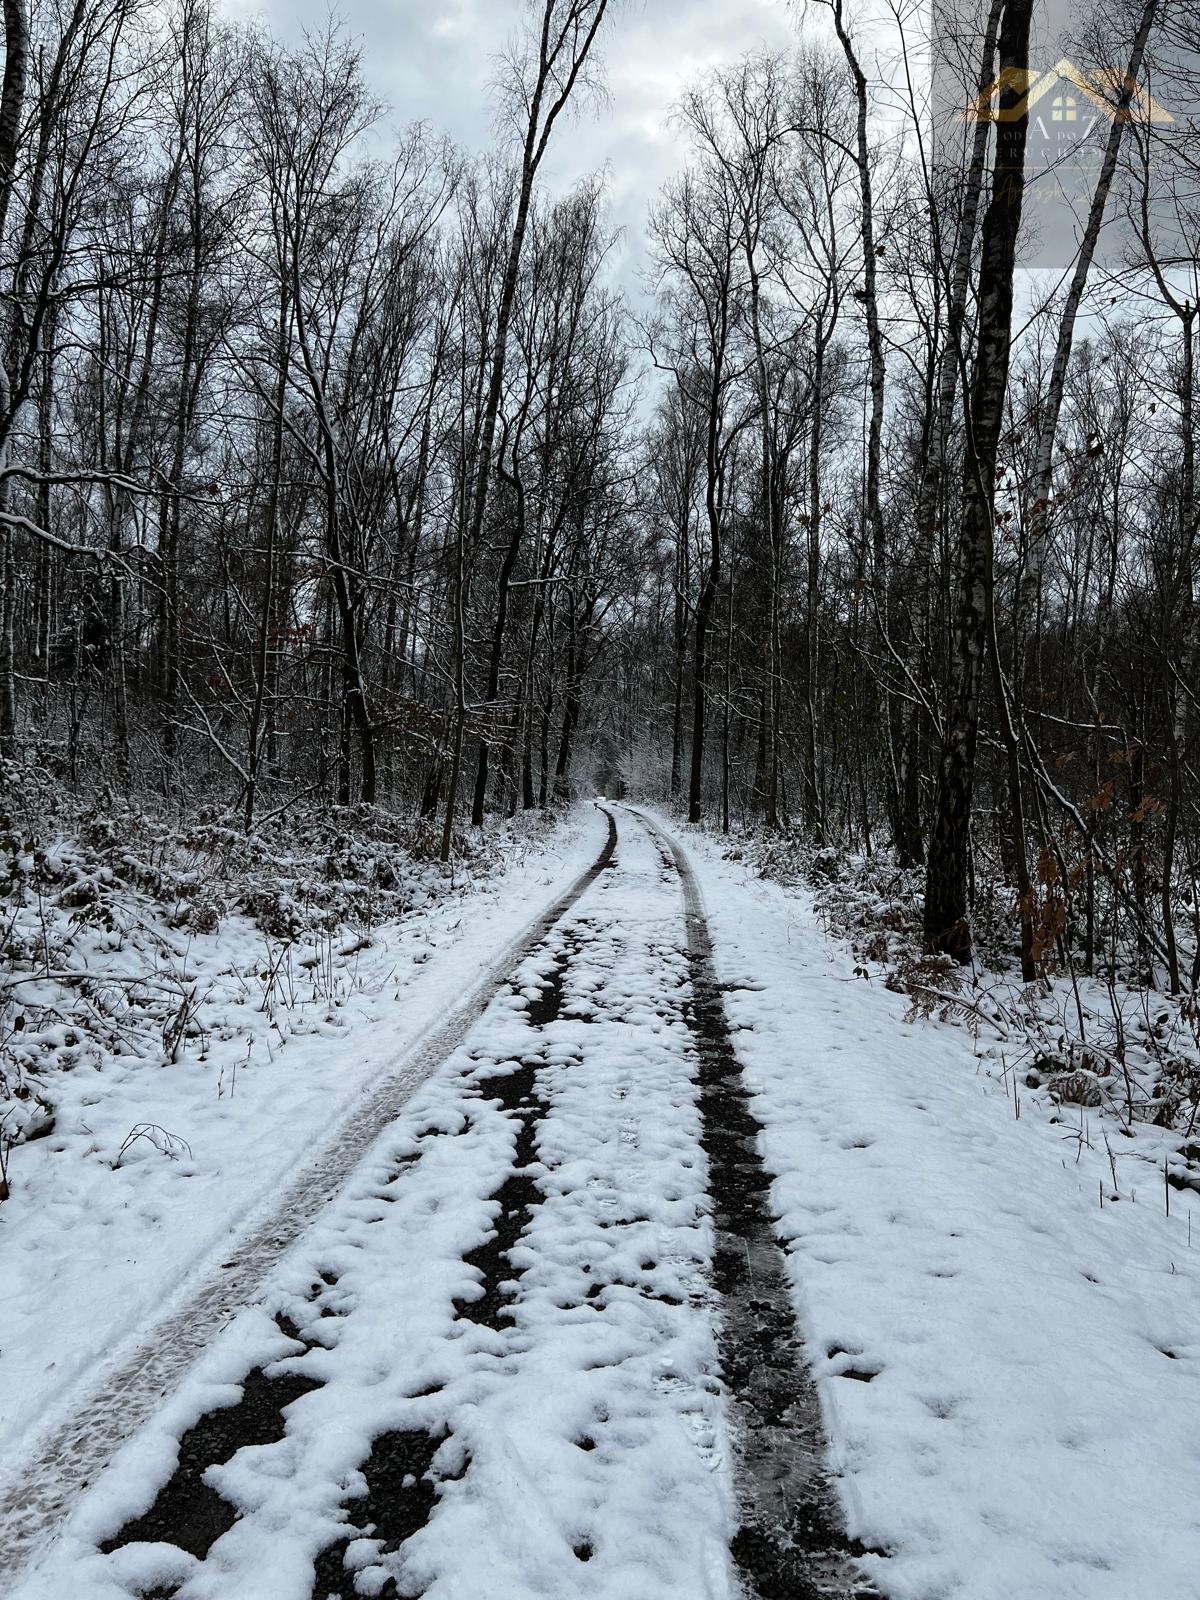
(791, 1542)
(402, 1483)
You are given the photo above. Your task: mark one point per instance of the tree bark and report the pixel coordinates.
(947, 927)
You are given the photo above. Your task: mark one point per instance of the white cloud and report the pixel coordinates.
(433, 60)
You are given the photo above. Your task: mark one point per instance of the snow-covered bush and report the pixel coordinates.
(126, 931)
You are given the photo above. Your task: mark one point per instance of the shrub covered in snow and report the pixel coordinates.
(124, 928)
(1105, 1041)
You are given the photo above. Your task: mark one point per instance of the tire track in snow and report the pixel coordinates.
(39, 1490)
(527, 1101)
(792, 1541)
(400, 1473)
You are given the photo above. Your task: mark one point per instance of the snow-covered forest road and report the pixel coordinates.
(668, 1266)
(508, 1330)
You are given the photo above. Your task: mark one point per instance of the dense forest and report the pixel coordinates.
(342, 466)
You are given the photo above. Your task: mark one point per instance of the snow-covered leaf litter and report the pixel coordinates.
(92, 1246)
(585, 1450)
(128, 935)
(1010, 1371)
(1124, 1044)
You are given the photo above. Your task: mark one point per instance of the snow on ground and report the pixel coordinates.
(584, 1450)
(285, 1041)
(1010, 1370)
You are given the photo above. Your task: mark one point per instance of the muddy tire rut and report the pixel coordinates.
(402, 1483)
(792, 1543)
(188, 1512)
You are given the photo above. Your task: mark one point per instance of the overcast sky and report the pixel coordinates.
(432, 60)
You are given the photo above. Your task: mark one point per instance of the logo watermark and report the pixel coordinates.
(1075, 91)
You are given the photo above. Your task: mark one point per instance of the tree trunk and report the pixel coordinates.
(947, 927)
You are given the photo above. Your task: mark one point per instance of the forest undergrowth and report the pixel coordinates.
(1107, 1054)
(130, 932)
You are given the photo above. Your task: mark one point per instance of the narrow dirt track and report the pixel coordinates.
(791, 1541)
(660, 1240)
